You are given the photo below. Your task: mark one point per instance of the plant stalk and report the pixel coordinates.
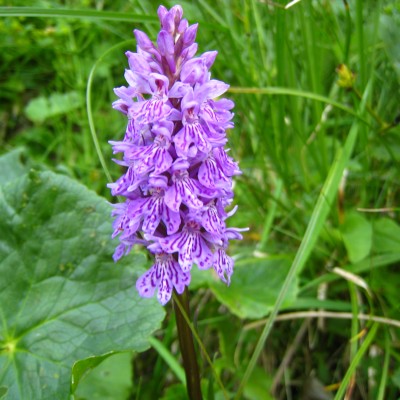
(186, 345)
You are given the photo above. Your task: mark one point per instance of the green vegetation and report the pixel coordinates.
(313, 311)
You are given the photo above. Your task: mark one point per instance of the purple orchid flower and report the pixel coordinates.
(178, 181)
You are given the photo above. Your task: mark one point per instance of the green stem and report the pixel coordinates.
(360, 41)
(201, 345)
(385, 369)
(271, 215)
(187, 347)
(354, 334)
(370, 110)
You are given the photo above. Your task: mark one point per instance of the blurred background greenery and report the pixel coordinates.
(302, 78)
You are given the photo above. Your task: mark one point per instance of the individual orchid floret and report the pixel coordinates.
(177, 186)
(183, 188)
(190, 245)
(163, 276)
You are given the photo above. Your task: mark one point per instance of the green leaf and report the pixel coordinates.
(255, 286)
(357, 236)
(386, 236)
(82, 367)
(12, 166)
(41, 108)
(111, 380)
(3, 392)
(62, 298)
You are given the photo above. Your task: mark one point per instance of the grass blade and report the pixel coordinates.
(299, 93)
(385, 369)
(166, 355)
(356, 360)
(41, 12)
(89, 108)
(68, 13)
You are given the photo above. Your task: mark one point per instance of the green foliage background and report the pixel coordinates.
(316, 88)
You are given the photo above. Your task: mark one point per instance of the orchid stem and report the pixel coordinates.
(186, 345)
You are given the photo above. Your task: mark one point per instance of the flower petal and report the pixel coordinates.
(147, 283)
(223, 265)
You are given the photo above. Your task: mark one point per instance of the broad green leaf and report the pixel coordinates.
(255, 286)
(82, 367)
(386, 236)
(62, 298)
(357, 236)
(12, 166)
(111, 380)
(3, 392)
(42, 108)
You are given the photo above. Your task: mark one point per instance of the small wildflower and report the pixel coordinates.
(178, 178)
(346, 77)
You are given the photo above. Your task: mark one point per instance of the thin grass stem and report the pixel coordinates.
(299, 93)
(355, 362)
(360, 41)
(325, 314)
(42, 12)
(271, 215)
(385, 369)
(354, 332)
(89, 108)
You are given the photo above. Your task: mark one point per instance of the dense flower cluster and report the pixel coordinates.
(178, 180)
